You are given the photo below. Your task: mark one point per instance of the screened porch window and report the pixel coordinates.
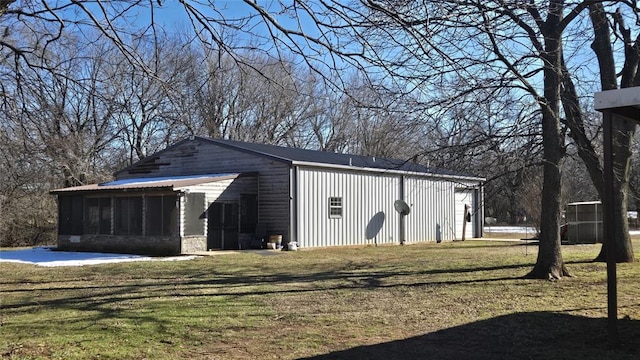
(161, 215)
(194, 214)
(70, 213)
(128, 215)
(335, 207)
(97, 216)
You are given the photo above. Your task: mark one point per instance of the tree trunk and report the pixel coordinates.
(549, 264)
(623, 131)
(622, 137)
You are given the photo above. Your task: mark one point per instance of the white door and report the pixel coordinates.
(464, 198)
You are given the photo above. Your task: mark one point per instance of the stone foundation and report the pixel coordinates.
(193, 244)
(128, 244)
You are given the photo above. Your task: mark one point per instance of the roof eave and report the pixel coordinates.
(389, 171)
(170, 185)
(113, 190)
(249, 151)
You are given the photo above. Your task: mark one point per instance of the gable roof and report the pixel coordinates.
(297, 156)
(319, 158)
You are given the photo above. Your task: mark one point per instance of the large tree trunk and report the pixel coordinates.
(623, 135)
(623, 130)
(549, 264)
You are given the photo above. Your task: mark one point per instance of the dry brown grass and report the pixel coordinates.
(437, 301)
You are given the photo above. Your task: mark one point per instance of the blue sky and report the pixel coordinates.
(173, 13)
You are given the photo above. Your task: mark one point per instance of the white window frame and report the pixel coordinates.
(335, 207)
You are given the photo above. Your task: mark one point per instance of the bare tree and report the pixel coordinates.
(62, 115)
(56, 130)
(26, 213)
(609, 25)
(145, 113)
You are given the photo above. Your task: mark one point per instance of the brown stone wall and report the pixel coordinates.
(145, 245)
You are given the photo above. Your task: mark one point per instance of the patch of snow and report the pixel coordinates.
(46, 256)
(510, 229)
(526, 230)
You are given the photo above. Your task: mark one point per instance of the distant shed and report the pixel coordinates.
(585, 222)
(202, 194)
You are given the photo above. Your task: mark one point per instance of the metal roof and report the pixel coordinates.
(320, 158)
(171, 183)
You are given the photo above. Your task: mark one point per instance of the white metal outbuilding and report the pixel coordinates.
(314, 198)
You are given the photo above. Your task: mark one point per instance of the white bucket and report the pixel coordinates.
(293, 246)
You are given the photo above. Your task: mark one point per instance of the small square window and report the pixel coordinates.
(335, 207)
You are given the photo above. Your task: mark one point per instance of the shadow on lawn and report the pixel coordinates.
(535, 335)
(231, 284)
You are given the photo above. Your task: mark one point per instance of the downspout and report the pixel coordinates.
(403, 227)
(480, 211)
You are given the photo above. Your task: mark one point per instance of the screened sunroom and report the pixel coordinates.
(160, 216)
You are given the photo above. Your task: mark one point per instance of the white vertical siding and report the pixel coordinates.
(368, 216)
(432, 212)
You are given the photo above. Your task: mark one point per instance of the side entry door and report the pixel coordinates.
(223, 226)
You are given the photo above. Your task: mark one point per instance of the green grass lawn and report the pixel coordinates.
(462, 300)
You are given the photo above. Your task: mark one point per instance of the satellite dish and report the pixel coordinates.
(402, 207)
